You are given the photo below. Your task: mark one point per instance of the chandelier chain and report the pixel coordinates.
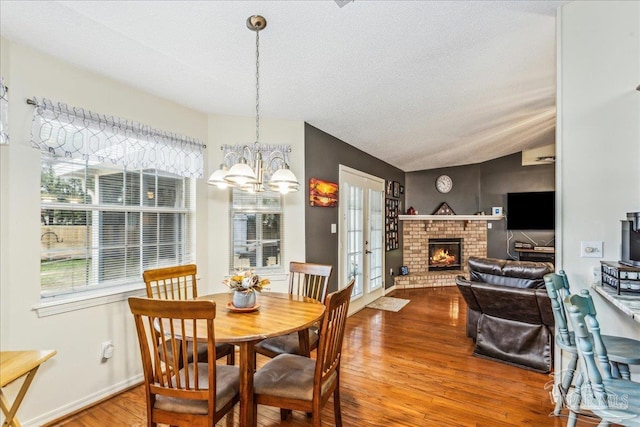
(257, 86)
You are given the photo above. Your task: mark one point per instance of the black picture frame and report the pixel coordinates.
(392, 240)
(396, 189)
(402, 189)
(389, 188)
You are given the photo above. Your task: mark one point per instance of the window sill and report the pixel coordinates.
(67, 303)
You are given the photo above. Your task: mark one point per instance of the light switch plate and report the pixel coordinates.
(591, 249)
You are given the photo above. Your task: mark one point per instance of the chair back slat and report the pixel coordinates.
(177, 283)
(558, 289)
(332, 334)
(309, 280)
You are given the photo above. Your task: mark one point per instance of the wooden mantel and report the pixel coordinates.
(450, 217)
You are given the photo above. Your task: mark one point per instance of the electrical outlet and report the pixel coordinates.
(107, 350)
(591, 249)
(391, 272)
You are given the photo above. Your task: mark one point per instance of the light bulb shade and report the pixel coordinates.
(217, 178)
(241, 174)
(284, 180)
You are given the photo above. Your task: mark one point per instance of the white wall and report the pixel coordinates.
(598, 139)
(75, 377)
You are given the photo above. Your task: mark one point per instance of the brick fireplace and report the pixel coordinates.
(418, 230)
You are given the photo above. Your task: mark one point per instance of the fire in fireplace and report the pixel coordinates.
(445, 254)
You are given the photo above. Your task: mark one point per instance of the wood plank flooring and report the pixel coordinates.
(410, 368)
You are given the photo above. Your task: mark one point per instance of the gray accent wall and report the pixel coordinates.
(478, 188)
(323, 156)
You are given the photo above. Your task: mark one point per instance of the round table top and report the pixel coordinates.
(277, 314)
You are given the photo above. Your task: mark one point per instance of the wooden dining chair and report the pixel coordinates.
(295, 382)
(614, 400)
(179, 283)
(622, 351)
(305, 279)
(196, 394)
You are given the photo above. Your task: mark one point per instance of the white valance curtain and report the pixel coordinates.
(4, 113)
(77, 133)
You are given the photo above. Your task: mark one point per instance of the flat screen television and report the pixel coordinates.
(531, 211)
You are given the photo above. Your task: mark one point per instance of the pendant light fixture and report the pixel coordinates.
(247, 167)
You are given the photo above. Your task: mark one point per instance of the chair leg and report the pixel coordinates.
(574, 403)
(284, 414)
(563, 387)
(337, 412)
(615, 371)
(623, 369)
(231, 357)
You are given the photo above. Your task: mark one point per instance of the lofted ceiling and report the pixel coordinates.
(418, 84)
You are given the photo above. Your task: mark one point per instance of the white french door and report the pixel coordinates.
(361, 235)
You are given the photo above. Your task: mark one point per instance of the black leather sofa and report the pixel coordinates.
(509, 314)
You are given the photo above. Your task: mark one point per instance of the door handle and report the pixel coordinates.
(367, 251)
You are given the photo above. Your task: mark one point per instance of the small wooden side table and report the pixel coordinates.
(14, 365)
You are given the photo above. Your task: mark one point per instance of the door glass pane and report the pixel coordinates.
(375, 239)
(355, 240)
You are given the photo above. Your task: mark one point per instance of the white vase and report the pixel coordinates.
(244, 299)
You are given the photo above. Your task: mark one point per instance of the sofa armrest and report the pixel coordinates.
(546, 309)
(464, 286)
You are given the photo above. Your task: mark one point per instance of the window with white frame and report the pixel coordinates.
(257, 231)
(109, 207)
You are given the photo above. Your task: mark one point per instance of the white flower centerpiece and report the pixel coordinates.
(244, 286)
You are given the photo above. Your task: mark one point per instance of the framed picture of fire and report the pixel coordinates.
(323, 193)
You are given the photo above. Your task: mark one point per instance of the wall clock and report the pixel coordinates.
(444, 183)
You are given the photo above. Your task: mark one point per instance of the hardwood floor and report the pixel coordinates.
(410, 368)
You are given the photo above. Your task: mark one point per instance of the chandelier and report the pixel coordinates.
(256, 167)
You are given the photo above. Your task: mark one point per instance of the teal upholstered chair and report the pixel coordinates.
(622, 351)
(614, 400)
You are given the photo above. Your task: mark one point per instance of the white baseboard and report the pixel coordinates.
(390, 289)
(87, 401)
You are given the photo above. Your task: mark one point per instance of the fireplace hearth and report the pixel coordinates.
(445, 254)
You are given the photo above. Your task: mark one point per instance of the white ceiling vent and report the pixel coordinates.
(539, 156)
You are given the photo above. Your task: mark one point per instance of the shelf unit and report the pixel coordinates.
(536, 255)
(620, 277)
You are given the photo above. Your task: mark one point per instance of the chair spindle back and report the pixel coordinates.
(177, 283)
(309, 280)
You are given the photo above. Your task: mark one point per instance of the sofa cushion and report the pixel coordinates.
(517, 274)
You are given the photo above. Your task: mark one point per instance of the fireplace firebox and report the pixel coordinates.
(445, 254)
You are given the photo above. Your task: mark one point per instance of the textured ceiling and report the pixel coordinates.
(418, 84)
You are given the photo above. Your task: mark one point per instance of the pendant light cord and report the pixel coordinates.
(257, 86)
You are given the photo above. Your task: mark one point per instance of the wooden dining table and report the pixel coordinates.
(275, 314)
(15, 365)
